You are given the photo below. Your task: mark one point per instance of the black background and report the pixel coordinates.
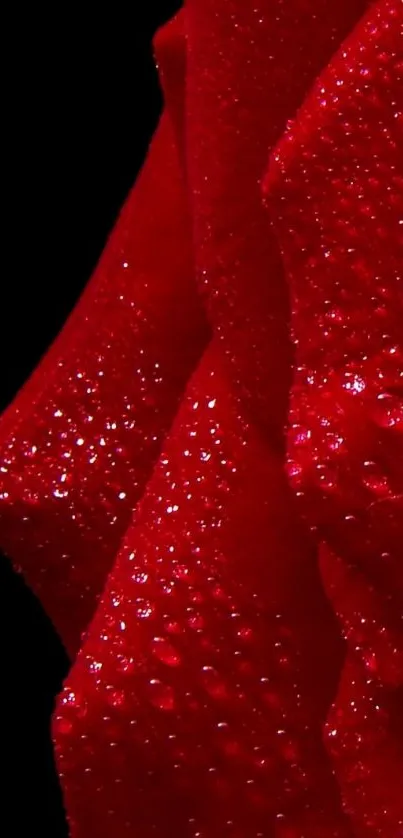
(80, 102)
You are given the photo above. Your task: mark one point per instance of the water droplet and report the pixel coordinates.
(95, 666)
(245, 633)
(165, 652)
(145, 610)
(172, 627)
(139, 577)
(62, 726)
(196, 622)
(370, 661)
(373, 479)
(116, 698)
(388, 411)
(181, 571)
(125, 664)
(161, 695)
(354, 383)
(213, 683)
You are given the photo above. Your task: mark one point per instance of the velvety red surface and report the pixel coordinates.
(80, 441)
(242, 676)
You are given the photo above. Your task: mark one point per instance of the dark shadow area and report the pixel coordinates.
(81, 100)
(34, 665)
